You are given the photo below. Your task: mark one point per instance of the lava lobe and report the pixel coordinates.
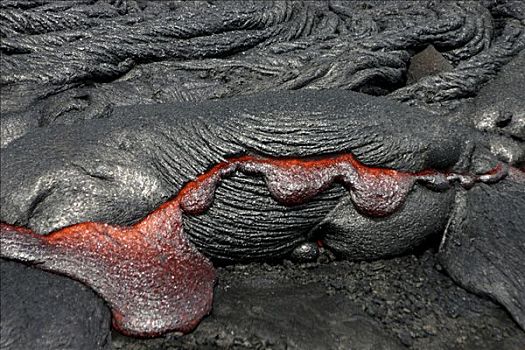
(152, 277)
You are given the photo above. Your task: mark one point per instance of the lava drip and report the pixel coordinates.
(151, 276)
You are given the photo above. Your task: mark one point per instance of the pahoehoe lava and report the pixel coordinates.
(91, 178)
(152, 278)
(155, 141)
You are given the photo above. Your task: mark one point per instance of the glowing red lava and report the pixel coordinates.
(151, 276)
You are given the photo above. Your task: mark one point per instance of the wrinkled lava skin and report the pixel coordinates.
(152, 278)
(66, 63)
(75, 309)
(155, 274)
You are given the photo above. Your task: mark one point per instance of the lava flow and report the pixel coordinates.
(151, 276)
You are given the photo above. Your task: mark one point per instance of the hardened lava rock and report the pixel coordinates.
(105, 117)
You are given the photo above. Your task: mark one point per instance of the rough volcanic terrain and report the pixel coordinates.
(113, 109)
(406, 302)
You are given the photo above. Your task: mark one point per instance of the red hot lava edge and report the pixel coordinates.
(151, 276)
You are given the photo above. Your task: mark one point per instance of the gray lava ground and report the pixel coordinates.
(405, 302)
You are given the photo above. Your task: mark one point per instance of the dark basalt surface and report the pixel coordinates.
(41, 310)
(486, 217)
(65, 62)
(271, 103)
(138, 157)
(155, 281)
(406, 302)
(81, 142)
(499, 109)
